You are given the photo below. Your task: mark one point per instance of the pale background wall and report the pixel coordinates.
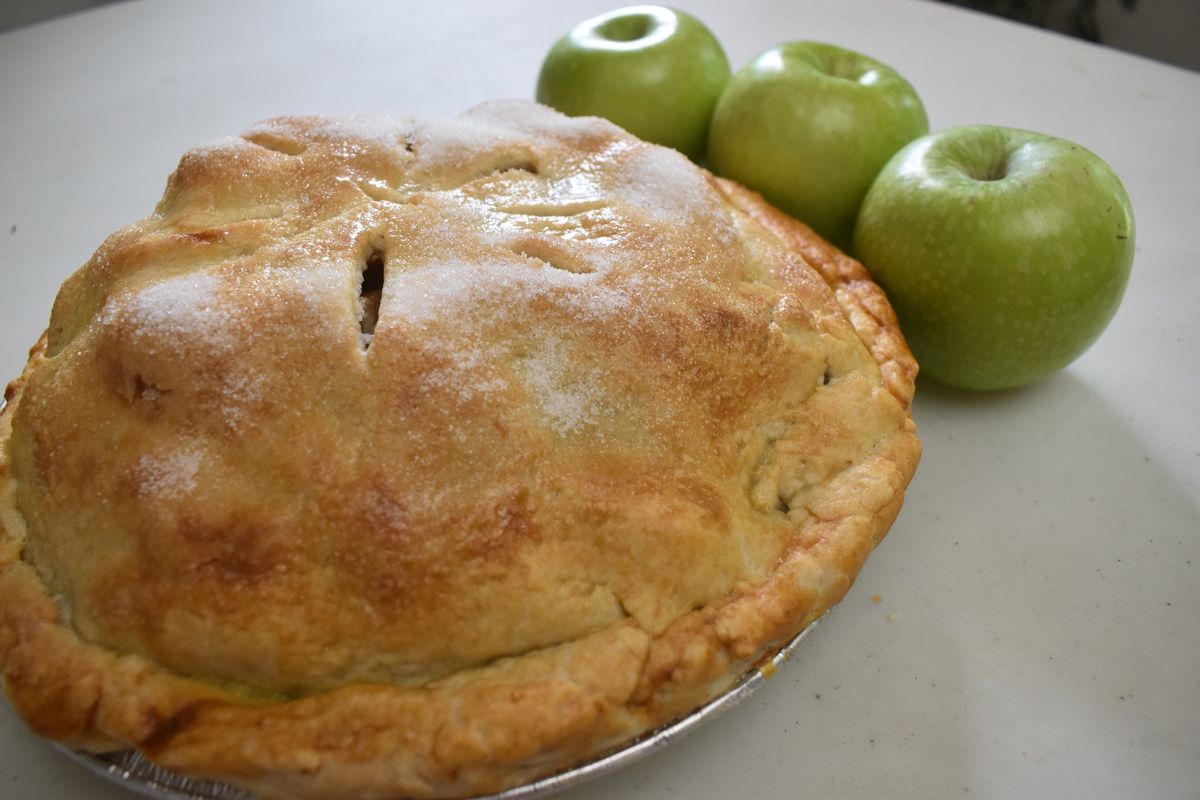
(1165, 30)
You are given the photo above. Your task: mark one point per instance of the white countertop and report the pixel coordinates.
(1037, 633)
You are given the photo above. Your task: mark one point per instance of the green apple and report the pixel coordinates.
(809, 125)
(1004, 252)
(655, 71)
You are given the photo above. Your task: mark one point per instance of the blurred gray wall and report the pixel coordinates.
(18, 13)
(1165, 30)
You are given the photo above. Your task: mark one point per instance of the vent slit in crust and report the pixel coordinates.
(370, 293)
(270, 140)
(555, 257)
(520, 166)
(146, 392)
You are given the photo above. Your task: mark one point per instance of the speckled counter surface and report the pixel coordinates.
(1028, 629)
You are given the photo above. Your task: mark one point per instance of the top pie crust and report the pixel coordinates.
(616, 429)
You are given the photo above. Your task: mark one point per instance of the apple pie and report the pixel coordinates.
(425, 457)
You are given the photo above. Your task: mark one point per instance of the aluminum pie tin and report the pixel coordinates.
(134, 771)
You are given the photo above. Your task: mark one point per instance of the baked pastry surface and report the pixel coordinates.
(427, 457)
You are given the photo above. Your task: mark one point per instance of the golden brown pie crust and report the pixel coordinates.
(616, 429)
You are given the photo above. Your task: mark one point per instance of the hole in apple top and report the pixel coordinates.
(994, 169)
(627, 29)
(986, 156)
(631, 28)
(849, 67)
